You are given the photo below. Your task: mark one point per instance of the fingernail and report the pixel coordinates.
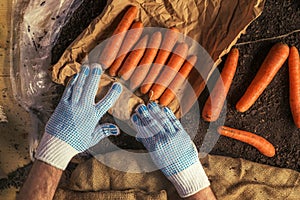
(117, 87)
(96, 71)
(141, 109)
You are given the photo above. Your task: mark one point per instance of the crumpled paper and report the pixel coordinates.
(215, 24)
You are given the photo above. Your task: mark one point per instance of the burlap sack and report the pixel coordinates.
(216, 25)
(109, 195)
(231, 178)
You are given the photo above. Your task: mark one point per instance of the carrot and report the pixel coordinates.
(191, 95)
(197, 79)
(169, 72)
(130, 39)
(215, 101)
(270, 66)
(112, 47)
(170, 38)
(170, 93)
(133, 59)
(260, 143)
(141, 71)
(294, 74)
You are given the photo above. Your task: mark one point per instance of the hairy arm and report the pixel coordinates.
(69, 131)
(204, 194)
(41, 182)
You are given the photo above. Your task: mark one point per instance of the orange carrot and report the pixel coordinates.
(170, 38)
(112, 47)
(197, 79)
(260, 143)
(133, 59)
(170, 70)
(294, 73)
(272, 63)
(215, 101)
(170, 93)
(141, 71)
(130, 39)
(191, 95)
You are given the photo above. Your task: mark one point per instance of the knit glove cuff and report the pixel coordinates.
(190, 181)
(55, 152)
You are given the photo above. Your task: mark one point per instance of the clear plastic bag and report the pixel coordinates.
(36, 26)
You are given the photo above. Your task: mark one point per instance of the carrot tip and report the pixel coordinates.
(151, 94)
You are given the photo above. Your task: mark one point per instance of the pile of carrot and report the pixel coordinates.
(157, 64)
(111, 49)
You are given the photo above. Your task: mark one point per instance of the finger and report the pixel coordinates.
(149, 124)
(69, 88)
(110, 98)
(169, 113)
(157, 113)
(92, 83)
(144, 115)
(141, 133)
(102, 131)
(84, 72)
(136, 122)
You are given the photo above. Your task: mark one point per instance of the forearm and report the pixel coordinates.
(204, 194)
(41, 182)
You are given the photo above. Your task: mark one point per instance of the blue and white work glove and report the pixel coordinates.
(170, 147)
(74, 126)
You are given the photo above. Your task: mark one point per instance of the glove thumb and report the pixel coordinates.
(103, 131)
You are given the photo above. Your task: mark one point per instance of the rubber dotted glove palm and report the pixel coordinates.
(170, 147)
(74, 126)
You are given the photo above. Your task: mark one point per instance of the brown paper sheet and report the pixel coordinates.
(215, 24)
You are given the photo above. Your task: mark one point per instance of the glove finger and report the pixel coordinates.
(169, 113)
(103, 131)
(84, 72)
(69, 89)
(141, 133)
(161, 117)
(137, 123)
(149, 124)
(110, 98)
(92, 83)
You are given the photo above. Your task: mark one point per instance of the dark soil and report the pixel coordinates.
(269, 117)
